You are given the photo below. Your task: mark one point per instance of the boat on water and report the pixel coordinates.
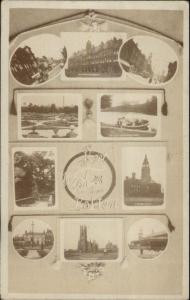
(127, 127)
(135, 124)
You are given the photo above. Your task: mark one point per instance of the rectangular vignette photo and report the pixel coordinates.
(34, 178)
(129, 114)
(88, 240)
(49, 116)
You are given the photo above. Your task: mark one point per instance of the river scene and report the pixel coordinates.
(124, 115)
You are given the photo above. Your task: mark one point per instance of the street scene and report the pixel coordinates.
(147, 238)
(148, 60)
(31, 64)
(49, 116)
(34, 178)
(33, 239)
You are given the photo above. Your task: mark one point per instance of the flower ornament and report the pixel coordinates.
(92, 270)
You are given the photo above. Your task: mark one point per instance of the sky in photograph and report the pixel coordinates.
(133, 157)
(162, 54)
(101, 231)
(147, 225)
(39, 226)
(76, 41)
(47, 154)
(45, 44)
(48, 99)
(131, 98)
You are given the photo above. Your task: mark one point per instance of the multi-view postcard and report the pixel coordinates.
(34, 170)
(144, 177)
(132, 114)
(95, 239)
(46, 116)
(92, 56)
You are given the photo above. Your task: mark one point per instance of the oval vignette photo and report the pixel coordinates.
(38, 59)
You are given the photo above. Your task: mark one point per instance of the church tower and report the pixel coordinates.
(82, 243)
(145, 171)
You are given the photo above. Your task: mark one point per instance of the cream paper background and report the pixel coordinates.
(160, 276)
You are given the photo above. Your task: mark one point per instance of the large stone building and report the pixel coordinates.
(97, 61)
(144, 190)
(83, 244)
(34, 239)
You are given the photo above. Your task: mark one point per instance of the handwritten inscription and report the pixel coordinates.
(89, 176)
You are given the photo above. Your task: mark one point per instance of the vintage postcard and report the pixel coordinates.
(34, 180)
(130, 115)
(95, 239)
(49, 116)
(144, 177)
(94, 158)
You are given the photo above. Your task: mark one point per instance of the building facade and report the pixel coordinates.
(24, 65)
(143, 188)
(137, 61)
(99, 60)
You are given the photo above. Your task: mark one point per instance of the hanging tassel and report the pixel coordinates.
(10, 227)
(165, 108)
(170, 225)
(13, 110)
(56, 263)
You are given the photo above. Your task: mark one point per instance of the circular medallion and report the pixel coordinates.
(89, 177)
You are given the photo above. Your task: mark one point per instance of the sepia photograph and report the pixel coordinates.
(133, 114)
(38, 59)
(144, 176)
(147, 238)
(96, 239)
(148, 60)
(34, 177)
(33, 239)
(49, 116)
(93, 55)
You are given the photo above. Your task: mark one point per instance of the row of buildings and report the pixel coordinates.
(33, 239)
(101, 60)
(136, 60)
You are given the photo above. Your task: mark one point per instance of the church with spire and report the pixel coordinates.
(144, 190)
